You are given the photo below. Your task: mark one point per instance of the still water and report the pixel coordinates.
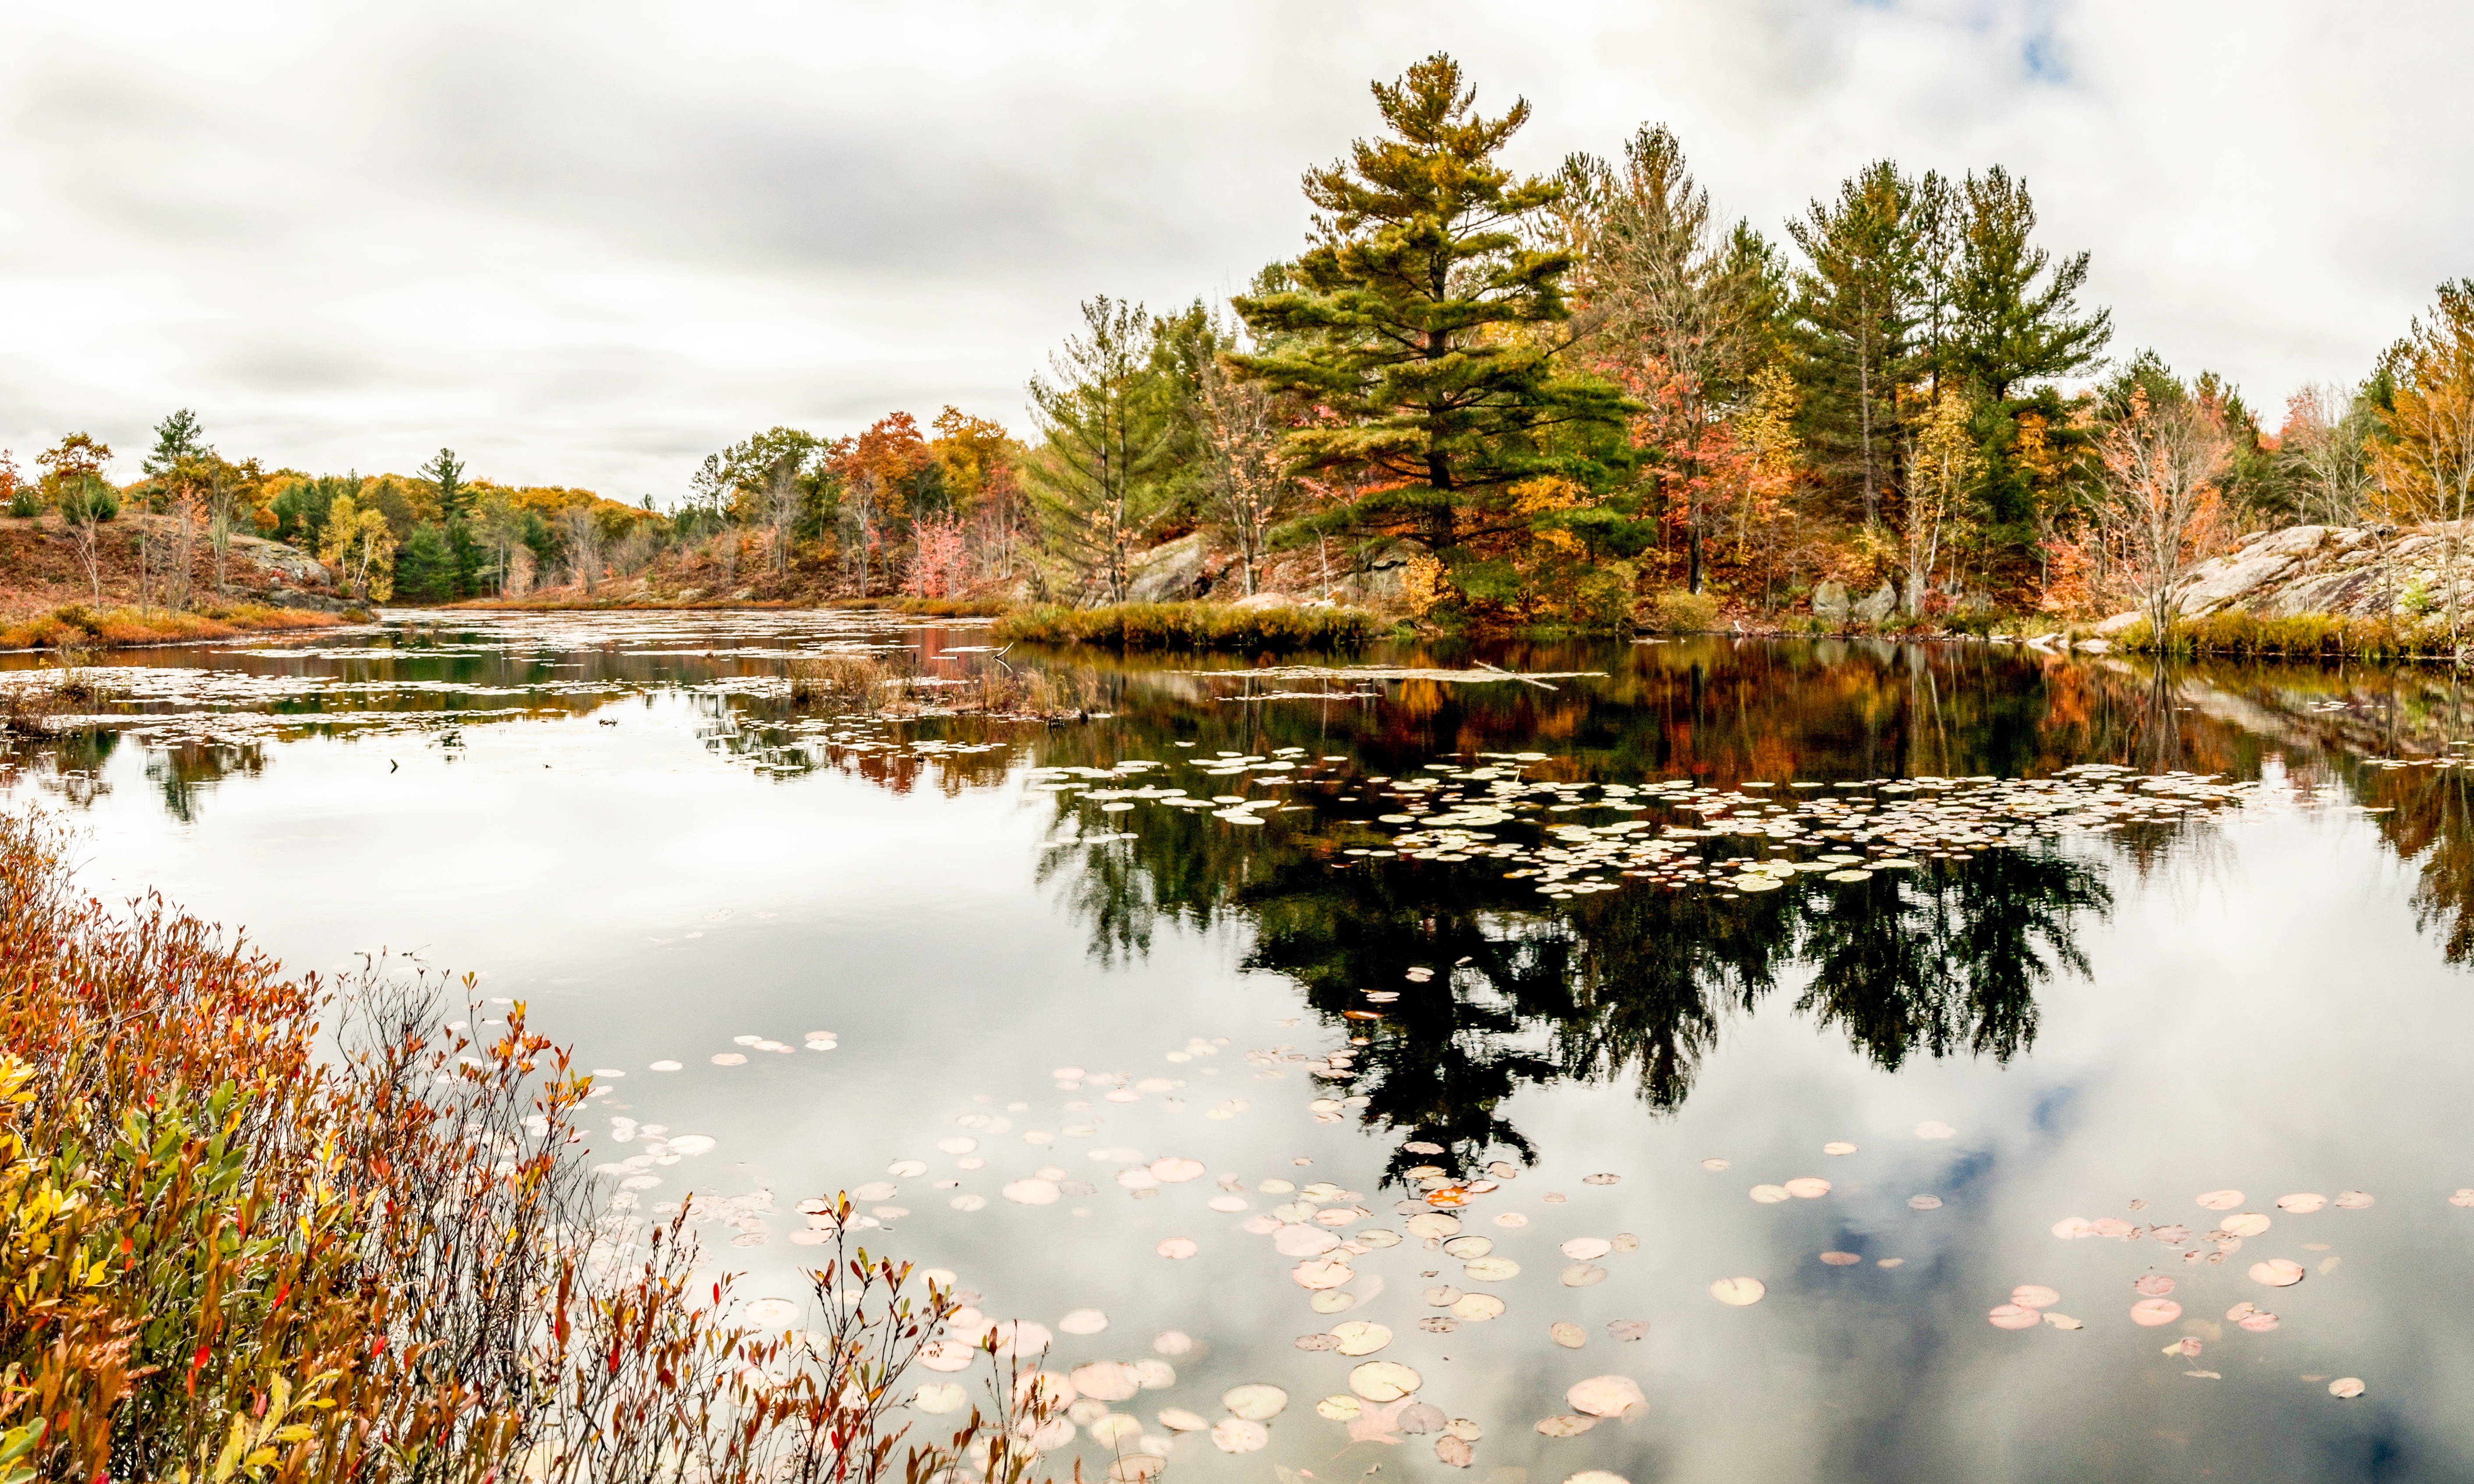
(1834, 1041)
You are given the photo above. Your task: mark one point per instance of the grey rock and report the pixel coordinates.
(1829, 603)
(1174, 571)
(1877, 608)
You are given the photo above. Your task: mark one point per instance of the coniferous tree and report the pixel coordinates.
(1422, 323)
(1858, 305)
(1097, 484)
(178, 437)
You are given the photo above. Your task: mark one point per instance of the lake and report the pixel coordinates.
(1914, 1063)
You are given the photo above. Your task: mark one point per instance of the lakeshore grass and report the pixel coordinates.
(1193, 625)
(2297, 637)
(77, 626)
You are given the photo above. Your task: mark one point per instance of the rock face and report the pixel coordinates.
(2350, 570)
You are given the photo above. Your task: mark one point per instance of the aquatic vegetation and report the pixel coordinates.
(1194, 625)
(2298, 636)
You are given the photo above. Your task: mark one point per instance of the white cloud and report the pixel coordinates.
(588, 244)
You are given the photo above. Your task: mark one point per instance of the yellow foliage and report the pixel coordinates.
(1424, 587)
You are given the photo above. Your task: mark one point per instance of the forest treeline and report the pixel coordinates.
(1534, 401)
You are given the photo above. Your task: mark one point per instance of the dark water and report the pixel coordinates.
(2229, 966)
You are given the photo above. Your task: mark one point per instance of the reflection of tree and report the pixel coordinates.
(182, 773)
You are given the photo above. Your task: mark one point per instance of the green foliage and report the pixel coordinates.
(301, 509)
(1421, 323)
(1101, 481)
(424, 567)
(24, 502)
(1192, 626)
(454, 495)
(88, 498)
(176, 438)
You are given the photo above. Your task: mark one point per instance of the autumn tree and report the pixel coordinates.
(2425, 459)
(2325, 445)
(882, 472)
(981, 468)
(359, 544)
(1247, 487)
(73, 484)
(1943, 463)
(2161, 512)
(1682, 311)
(1097, 484)
(1424, 322)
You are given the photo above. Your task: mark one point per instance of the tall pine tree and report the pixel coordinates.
(1422, 323)
(1859, 300)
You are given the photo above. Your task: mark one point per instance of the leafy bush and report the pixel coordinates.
(25, 503)
(1192, 626)
(1677, 612)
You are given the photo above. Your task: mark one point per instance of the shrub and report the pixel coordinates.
(1677, 612)
(1192, 626)
(226, 1258)
(24, 503)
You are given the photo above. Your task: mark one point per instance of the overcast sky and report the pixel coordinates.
(588, 244)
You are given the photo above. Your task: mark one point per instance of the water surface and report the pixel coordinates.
(2096, 943)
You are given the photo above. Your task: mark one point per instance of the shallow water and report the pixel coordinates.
(2029, 1005)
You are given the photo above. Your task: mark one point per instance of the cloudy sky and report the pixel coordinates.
(588, 244)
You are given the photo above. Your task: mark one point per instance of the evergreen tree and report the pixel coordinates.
(454, 493)
(2014, 311)
(1858, 301)
(424, 567)
(1420, 321)
(178, 437)
(1098, 483)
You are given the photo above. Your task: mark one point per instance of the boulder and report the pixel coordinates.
(1876, 608)
(1829, 603)
(1177, 572)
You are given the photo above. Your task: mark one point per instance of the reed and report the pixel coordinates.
(2296, 637)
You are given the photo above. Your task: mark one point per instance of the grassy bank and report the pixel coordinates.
(2301, 636)
(232, 1255)
(1193, 625)
(77, 626)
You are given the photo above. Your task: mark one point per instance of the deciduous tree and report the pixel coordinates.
(2161, 512)
(2425, 460)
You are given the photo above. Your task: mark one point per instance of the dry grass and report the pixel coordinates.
(76, 625)
(840, 683)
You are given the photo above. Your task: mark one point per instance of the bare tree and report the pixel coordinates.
(583, 535)
(2160, 508)
(2324, 445)
(784, 502)
(1249, 488)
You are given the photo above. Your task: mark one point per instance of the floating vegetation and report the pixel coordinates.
(1194, 625)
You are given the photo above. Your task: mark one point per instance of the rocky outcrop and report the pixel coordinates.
(2357, 571)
